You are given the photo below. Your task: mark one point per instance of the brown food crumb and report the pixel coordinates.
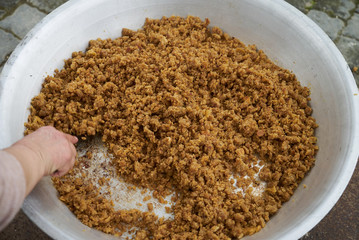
(102, 181)
(355, 69)
(89, 155)
(182, 107)
(148, 197)
(168, 209)
(150, 207)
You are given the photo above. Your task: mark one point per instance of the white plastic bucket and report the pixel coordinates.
(286, 35)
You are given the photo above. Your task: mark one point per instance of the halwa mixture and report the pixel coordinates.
(187, 109)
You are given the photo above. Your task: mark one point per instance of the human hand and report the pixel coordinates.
(53, 151)
(46, 151)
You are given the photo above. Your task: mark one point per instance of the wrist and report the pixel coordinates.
(31, 162)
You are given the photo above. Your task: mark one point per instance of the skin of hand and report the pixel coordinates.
(46, 151)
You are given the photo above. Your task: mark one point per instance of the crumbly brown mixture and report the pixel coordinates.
(182, 107)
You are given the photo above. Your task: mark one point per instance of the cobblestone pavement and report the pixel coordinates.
(338, 18)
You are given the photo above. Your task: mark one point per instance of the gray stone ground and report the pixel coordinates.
(338, 18)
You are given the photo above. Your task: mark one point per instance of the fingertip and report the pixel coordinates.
(71, 138)
(56, 174)
(60, 173)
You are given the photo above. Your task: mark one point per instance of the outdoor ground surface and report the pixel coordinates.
(338, 18)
